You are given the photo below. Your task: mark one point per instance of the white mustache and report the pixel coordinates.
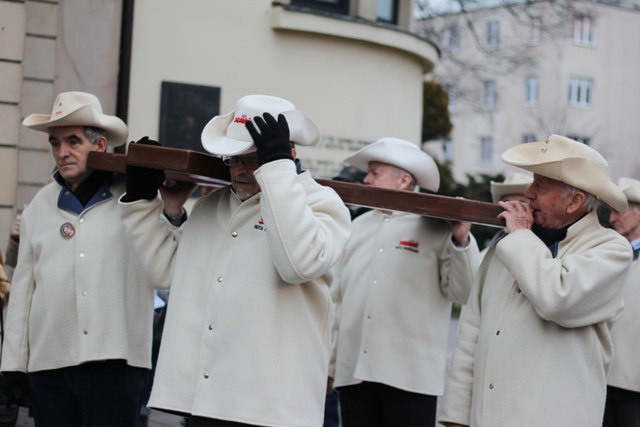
(241, 179)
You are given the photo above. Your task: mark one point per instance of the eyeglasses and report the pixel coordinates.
(249, 162)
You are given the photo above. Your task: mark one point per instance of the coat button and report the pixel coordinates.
(491, 386)
(498, 333)
(220, 279)
(211, 327)
(234, 234)
(206, 375)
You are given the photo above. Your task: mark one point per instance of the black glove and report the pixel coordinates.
(272, 143)
(143, 183)
(15, 386)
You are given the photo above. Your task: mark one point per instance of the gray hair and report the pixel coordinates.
(398, 172)
(591, 202)
(93, 134)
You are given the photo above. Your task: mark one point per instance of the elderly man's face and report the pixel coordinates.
(627, 223)
(243, 181)
(384, 175)
(552, 203)
(70, 149)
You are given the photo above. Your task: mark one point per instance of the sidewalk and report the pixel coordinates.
(157, 419)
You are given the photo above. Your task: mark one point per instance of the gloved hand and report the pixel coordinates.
(15, 386)
(143, 183)
(272, 142)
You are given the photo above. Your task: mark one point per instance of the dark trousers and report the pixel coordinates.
(622, 408)
(95, 394)
(371, 404)
(209, 422)
(332, 410)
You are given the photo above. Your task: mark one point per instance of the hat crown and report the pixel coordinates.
(631, 189)
(250, 106)
(571, 162)
(79, 109)
(68, 102)
(227, 135)
(401, 154)
(515, 183)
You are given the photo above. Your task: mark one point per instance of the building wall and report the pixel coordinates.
(47, 47)
(609, 62)
(358, 80)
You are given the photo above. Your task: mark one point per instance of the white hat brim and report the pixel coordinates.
(302, 131)
(575, 169)
(116, 129)
(401, 154)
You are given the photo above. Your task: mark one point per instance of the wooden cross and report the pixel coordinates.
(205, 169)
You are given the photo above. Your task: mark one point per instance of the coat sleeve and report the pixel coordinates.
(458, 267)
(307, 224)
(15, 348)
(336, 299)
(458, 392)
(581, 288)
(152, 238)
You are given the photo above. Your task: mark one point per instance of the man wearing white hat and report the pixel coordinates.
(534, 345)
(247, 334)
(79, 318)
(622, 408)
(393, 293)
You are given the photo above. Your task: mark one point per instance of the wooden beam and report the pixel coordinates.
(192, 166)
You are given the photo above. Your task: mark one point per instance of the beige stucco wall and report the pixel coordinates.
(48, 47)
(357, 81)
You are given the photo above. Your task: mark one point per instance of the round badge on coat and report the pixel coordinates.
(67, 230)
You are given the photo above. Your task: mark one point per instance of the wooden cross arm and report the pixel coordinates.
(192, 166)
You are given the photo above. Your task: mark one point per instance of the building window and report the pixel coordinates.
(453, 95)
(447, 151)
(583, 30)
(489, 95)
(451, 39)
(387, 11)
(486, 149)
(528, 137)
(493, 35)
(580, 92)
(337, 6)
(535, 30)
(531, 91)
(580, 138)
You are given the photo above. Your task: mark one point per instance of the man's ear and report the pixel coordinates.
(406, 181)
(577, 200)
(102, 144)
(293, 152)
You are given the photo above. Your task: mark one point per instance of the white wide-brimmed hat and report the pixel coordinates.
(227, 135)
(401, 154)
(630, 188)
(513, 184)
(571, 162)
(80, 109)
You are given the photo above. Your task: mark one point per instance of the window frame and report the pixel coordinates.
(336, 6)
(583, 30)
(486, 149)
(580, 92)
(489, 95)
(451, 39)
(493, 35)
(395, 6)
(531, 90)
